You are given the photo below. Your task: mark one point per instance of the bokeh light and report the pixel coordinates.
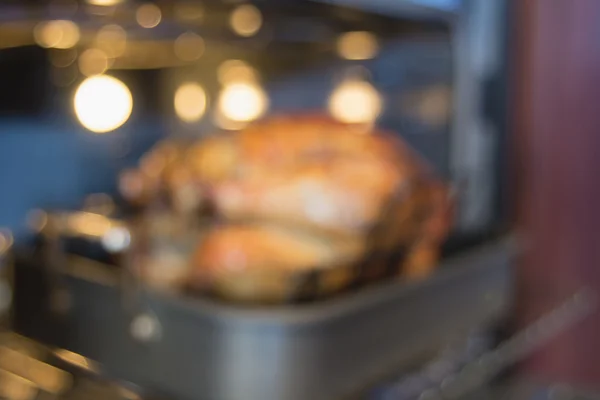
(76, 360)
(99, 203)
(148, 15)
(234, 71)
(189, 46)
(358, 45)
(6, 240)
(435, 105)
(190, 102)
(102, 103)
(243, 101)
(112, 40)
(88, 224)
(355, 101)
(93, 62)
(246, 20)
(59, 34)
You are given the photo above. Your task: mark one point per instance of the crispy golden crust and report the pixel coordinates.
(307, 170)
(234, 249)
(297, 193)
(335, 196)
(281, 148)
(286, 141)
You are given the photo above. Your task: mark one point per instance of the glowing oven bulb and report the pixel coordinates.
(102, 103)
(355, 102)
(243, 101)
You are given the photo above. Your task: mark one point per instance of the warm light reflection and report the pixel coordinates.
(99, 203)
(243, 101)
(190, 102)
(148, 15)
(355, 102)
(76, 360)
(127, 394)
(59, 34)
(246, 20)
(89, 224)
(112, 40)
(113, 236)
(15, 387)
(189, 46)
(93, 62)
(6, 240)
(234, 71)
(102, 103)
(357, 45)
(15, 34)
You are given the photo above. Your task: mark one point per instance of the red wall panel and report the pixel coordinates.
(557, 148)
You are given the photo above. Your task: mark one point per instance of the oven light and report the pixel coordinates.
(190, 102)
(112, 40)
(148, 15)
(235, 70)
(59, 34)
(246, 20)
(93, 62)
(243, 101)
(355, 102)
(189, 46)
(102, 103)
(357, 45)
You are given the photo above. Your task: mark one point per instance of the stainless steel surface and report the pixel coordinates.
(325, 350)
(477, 44)
(467, 375)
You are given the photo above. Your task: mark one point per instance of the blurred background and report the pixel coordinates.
(187, 69)
(497, 96)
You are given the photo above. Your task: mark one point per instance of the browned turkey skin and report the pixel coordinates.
(296, 193)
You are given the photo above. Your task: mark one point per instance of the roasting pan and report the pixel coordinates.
(201, 349)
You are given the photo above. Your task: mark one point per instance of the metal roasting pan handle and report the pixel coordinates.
(126, 241)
